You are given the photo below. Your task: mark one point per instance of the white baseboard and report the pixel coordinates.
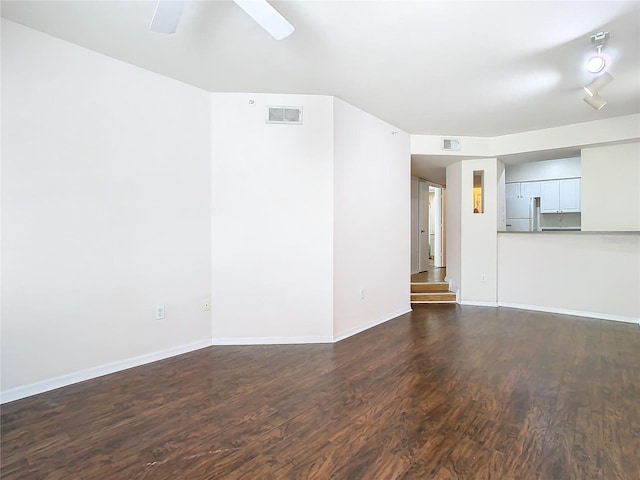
(369, 325)
(576, 313)
(301, 340)
(478, 304)
(113, 367)
(270, 340)
(99, 371)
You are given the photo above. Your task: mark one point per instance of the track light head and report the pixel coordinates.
(596, 64)
(595, 101)
(598, 83)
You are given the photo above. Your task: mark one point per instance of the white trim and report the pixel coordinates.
(478, 304)
(369, 325)
(576, 313)
(270, 340)
(94, 372)
(456, 291)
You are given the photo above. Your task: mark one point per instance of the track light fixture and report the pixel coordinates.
(595, 101)
(597, 63)
(598, 83)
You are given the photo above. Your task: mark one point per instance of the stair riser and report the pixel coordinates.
(434, 303)
(426, 288)
(447, 297)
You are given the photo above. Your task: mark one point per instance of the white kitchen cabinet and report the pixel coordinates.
(560, 196)
(570, 195)
(530, 189)
(522, 190)
(512, 190)
(550, 196)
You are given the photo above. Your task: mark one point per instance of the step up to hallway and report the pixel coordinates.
(431, 292)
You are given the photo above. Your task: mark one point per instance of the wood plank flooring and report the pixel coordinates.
(431, 275)
(446, 392)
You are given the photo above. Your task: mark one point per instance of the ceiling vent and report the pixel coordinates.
(451, 144)
(285, 115)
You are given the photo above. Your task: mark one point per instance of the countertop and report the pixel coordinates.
(562, 230)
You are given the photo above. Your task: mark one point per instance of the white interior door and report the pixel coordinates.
(437, 227)
(423, 226)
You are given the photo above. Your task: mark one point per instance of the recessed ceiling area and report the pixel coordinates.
(433, 67)
(526, 157)
(433, 167)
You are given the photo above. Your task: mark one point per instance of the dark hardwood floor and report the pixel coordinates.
(446, 392)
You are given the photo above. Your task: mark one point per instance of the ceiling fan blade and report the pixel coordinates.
(267, 17)
(167, 16)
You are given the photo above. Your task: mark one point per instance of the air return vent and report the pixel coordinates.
(451, 144)
(285, 115)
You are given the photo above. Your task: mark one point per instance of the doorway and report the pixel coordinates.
(430, 226)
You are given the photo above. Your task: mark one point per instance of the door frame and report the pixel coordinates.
(423, 225)
(438, 227)
(438, 247)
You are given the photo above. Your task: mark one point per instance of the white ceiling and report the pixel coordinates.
(429, 67)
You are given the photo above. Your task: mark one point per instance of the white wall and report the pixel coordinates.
(611, 188)
(372, 215)
(469, 146)
(105, 210)
(479, 234)
(453, 217)
(595, 275)
(272, 217)
(544, 170)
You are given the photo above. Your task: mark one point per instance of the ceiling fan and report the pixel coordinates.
(168, 13)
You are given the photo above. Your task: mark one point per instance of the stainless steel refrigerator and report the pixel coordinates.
(523, 214)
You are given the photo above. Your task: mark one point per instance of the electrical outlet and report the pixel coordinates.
(483, 277)
(362, 292)
(159, 312)
(206, 305)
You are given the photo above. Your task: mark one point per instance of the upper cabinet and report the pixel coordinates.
(522, 190)
(550, 196)
(570, 195)
(512, 190)
(530, 189)
(560, 196)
